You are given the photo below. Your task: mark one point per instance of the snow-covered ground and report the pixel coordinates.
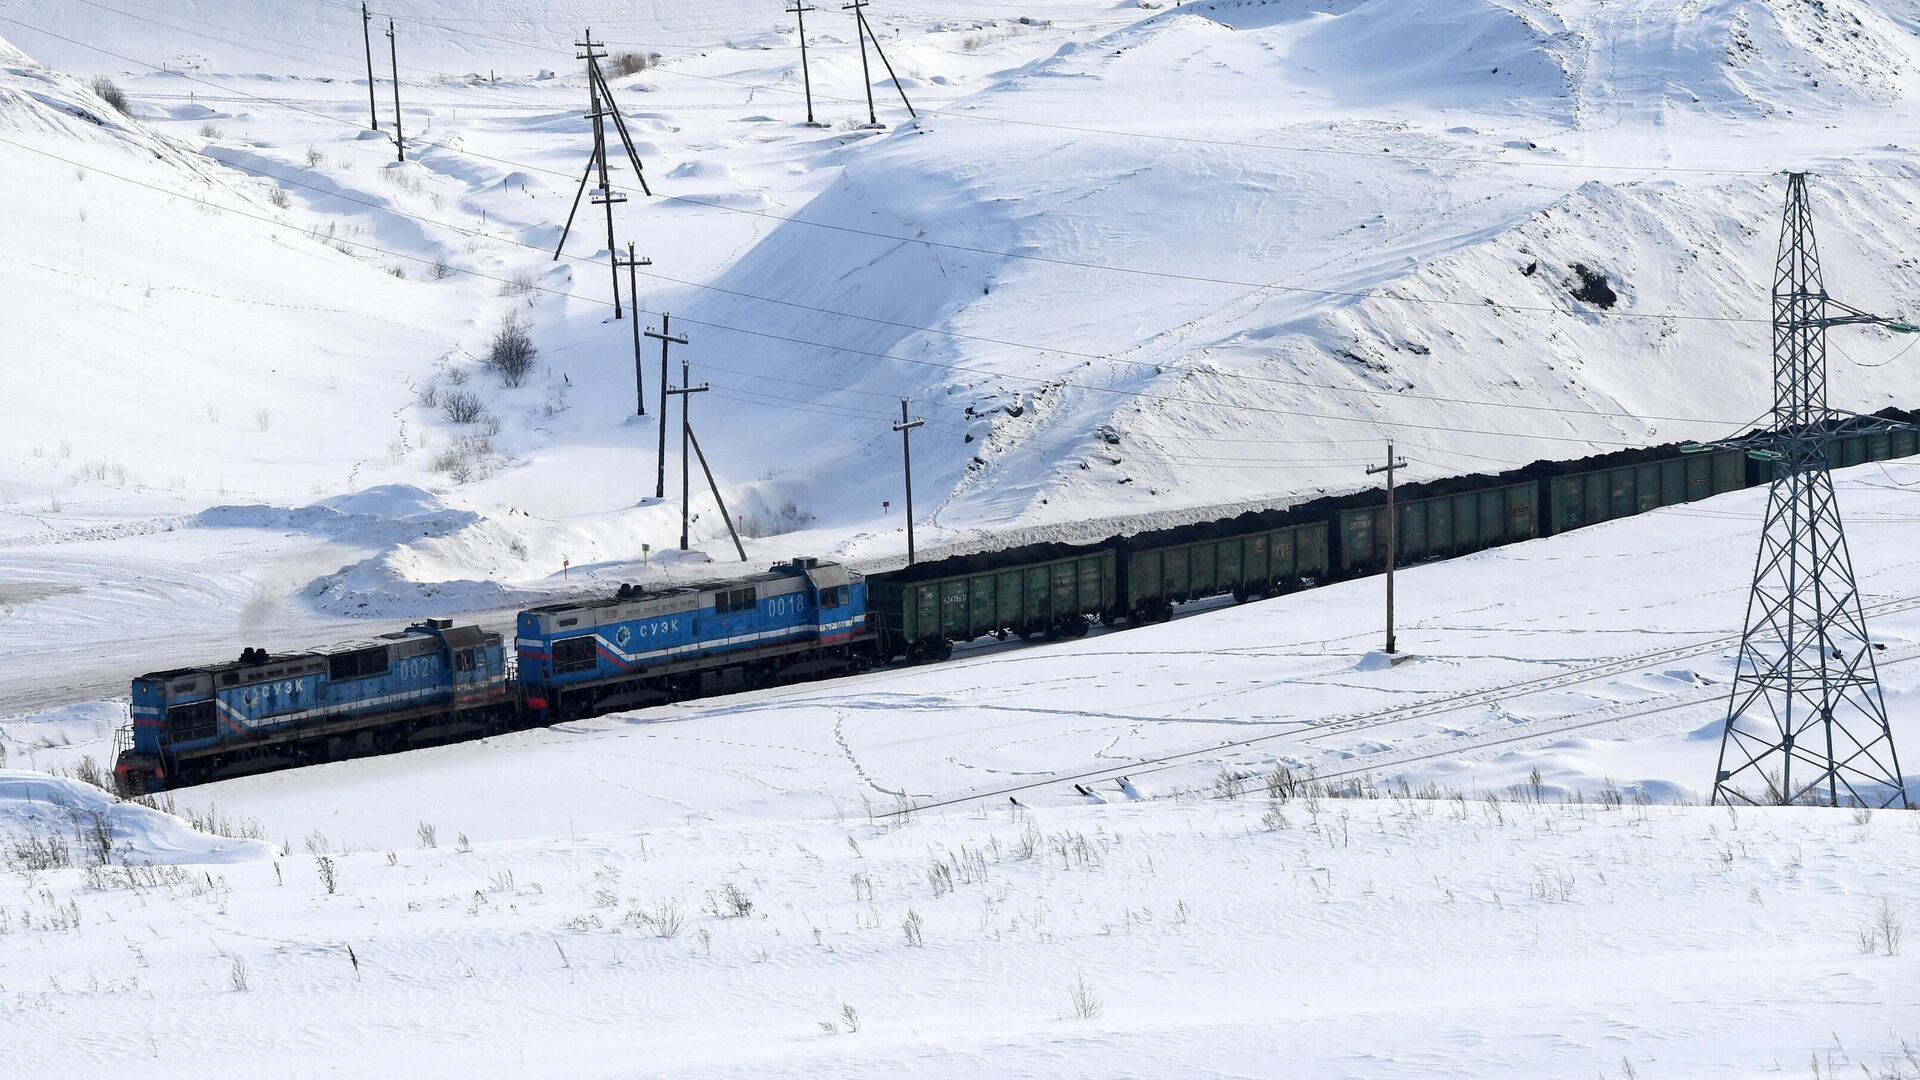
(1569, 913)
(1133, 264)
(1384, 938)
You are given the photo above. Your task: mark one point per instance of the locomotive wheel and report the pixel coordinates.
(943, 651)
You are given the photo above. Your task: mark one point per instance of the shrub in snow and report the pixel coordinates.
(111, 94)
(462, 406)
(512, 353)
(631, 63)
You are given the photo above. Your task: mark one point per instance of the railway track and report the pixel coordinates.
(1308, 731)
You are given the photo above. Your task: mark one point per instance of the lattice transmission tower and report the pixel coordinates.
(1806, 722)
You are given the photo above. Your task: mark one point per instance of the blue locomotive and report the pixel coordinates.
(801, 619)
(432, 682)
(435, 682)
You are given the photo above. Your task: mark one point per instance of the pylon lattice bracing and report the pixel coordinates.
(1806, 721)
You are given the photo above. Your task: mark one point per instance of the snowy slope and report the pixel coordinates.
(1130, 263)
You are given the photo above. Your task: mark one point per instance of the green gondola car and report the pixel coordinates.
(1153, 579)
(1439, 526)
(923, 619)
(1589, 498)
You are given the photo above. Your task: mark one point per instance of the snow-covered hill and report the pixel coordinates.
(1129, 262)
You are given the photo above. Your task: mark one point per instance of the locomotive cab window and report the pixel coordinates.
(834, 596)
(575, 654)
(463, 660)
(729, 601)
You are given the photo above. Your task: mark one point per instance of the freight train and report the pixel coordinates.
(435, 682)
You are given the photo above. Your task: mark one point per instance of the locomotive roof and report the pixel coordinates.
(457, 637)
(823, 575)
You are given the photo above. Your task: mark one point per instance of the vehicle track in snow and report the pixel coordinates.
(1308, 731)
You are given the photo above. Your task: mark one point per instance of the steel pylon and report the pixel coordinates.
(1806, 722)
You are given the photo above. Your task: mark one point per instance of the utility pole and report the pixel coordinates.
(1392, 466)
(861, 26)
(799, 11)
(866, 75)
(684, 392)
(604, 195)
(1806, 689)
(665, 336)
(366, 38)
(633, 266)
(393, 51)
(905, 428)
(602, 106)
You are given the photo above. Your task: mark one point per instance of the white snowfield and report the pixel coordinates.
(1135, 265)
(557, 902)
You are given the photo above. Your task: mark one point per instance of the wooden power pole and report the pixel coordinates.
(905, 428)
(865, 30)
(799, 11)
(633, 266)
(393, 53)
(366, 38)
(684, 392)
(1392, 466)
(665, 336)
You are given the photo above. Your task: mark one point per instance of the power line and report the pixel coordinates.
(1338, 294)
(1041, 381)
(1368, 391)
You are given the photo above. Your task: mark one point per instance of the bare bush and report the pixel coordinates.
(111, 94)
(522, 285)
(462, 406)
(440, 269)
(314, 157)
(238, 974)
(731, 903)
(1086, 1002)
(278, 197)
(209, 131)
(512, 353)
(1281, 784)
(88, 771)
(467, 458)
(631, 63)
(666, 919)
(912, 925)
(1228, 785)
(1885, 930)
(329, 876)
(428, 834)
